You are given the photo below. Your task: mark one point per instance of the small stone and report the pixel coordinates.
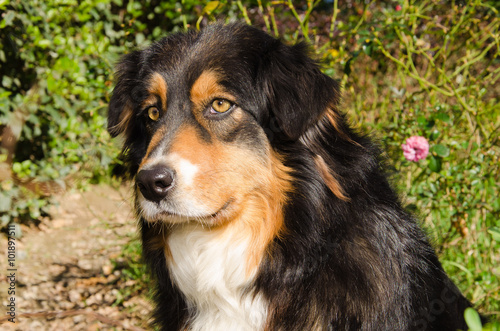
(36, 325)
(60, 222)
(75, 296)
(90, 301)
(85, 264)
(78, 319)
(107, 269)
(22, 255)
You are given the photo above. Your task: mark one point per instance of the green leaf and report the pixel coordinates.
(5, 203)
(17, 168)
(422, 121)
(43, 43)
(17, 230)
(51, 84)
(139, 38)
(435, 164)
(347, 67)
(495, 233)
(441, 150)
(6, 82)
(434, 135)
(4, 220)
(8, 18)
(211, 7)
(130, 6)
(430, 123)
(3, 4)
(473, 320)
(443, 117)
(367, 48)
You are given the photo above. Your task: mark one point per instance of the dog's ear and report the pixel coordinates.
(121, 105)
(297, 92)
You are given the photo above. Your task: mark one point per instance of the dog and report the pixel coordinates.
(259, 207)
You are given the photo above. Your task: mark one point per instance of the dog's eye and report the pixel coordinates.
(221, 106)
(153, 113)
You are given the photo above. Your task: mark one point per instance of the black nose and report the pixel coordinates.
(155, 182)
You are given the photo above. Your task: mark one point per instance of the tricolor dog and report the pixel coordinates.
(259, 207)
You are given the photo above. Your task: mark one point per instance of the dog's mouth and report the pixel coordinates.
(153, 211)
(213, 215)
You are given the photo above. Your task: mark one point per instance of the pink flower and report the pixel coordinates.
(416, 148)
(398, 7)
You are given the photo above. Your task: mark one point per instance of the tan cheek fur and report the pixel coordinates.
(262, 215)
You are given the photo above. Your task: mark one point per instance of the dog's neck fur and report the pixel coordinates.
(208, 267)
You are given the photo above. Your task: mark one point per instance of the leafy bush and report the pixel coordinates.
(64, 52)
(409, 68)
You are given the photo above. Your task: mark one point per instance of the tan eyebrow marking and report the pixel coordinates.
(206, 87)
(157, 87)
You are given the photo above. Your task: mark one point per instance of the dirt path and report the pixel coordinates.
(67, 277)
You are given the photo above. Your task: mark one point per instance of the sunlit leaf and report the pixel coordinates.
(441, 150)
(435, 164)
(211, 7)
(473, 320)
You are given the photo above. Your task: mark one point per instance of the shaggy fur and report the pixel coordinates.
(259, 207)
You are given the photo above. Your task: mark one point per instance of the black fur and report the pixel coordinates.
(360, 263)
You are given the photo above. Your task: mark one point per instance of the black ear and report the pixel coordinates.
(297, 91)
(120, 107)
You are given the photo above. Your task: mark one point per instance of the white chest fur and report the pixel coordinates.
(209, 267)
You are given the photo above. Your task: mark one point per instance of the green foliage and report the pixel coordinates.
(409, 68)
(63, 51)
(473, 321)
(132, 270)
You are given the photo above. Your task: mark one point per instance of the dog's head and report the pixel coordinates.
(202, 112)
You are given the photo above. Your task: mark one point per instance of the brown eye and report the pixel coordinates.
(221, 105)
(153, 113)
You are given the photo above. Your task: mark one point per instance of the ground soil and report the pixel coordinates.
(69, 268)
